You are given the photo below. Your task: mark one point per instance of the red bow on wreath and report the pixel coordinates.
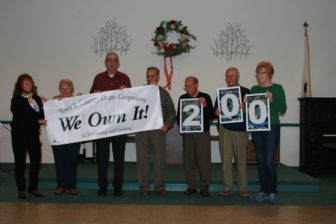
(171, 49)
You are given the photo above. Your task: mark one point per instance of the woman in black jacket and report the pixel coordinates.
(27, 110)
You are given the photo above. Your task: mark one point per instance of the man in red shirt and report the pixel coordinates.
(111, 79)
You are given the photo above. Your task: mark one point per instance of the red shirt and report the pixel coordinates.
(103, 82)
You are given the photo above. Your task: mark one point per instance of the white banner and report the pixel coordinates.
(104, 114)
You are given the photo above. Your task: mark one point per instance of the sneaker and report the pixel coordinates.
(261, 196)
(161, 191)
(225, 193)
(272, 198)
(144, 191)
(244, 194)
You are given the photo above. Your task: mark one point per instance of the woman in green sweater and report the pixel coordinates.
(267, 141)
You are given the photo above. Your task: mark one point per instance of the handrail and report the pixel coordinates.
(214, 123)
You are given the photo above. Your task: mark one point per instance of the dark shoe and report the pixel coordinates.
(73, 191)
(36, 193)
(190, 191)
(118, 192)
(204, 192)
(161, 191)
(59, 191)
(244, 194)
(102, 191)
(22, 195)
(144, 191)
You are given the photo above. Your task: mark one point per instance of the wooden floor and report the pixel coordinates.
(53, 213)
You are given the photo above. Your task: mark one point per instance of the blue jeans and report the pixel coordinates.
(265, 145)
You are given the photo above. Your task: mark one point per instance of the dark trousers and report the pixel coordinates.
(265, 145)
(197, 157)
(103, 156)
(66, 157)
(23, 143)
(150, 149)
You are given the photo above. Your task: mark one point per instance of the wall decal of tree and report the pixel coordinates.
(231, 43)
(111, 37)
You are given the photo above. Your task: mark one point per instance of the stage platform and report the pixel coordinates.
(289, 179)
(295, 187)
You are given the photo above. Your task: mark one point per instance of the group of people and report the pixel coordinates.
(27, 109)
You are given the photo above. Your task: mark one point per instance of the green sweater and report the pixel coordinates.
(278, 105)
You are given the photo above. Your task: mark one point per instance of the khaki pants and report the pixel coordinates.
(233, 143)
(150, 148)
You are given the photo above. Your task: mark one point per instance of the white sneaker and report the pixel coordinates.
(272, 198)
(261, 196)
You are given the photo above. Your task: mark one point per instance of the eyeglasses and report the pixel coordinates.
(262, 73)
(111, 61)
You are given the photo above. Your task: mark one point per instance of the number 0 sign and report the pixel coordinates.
(191, 115)
(229, 104)
(257, 115)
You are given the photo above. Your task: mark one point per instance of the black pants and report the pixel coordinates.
(103, 156)
(66, 157)
(23, 143)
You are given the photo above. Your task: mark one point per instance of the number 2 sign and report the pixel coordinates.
(191, 116)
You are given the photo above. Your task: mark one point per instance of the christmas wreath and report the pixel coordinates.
(172, 49)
